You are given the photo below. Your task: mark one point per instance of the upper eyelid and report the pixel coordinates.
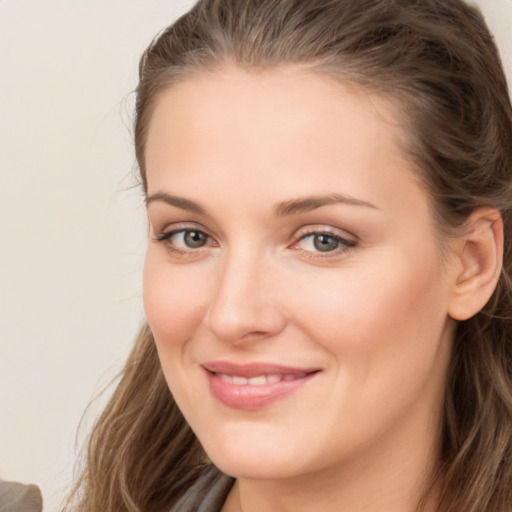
(325, 229)
(345, 242)
(327, 233)
(171, 232)
(180, 226)
(297, 235)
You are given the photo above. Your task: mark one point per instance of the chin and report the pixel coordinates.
(255, 461)
(256, 469)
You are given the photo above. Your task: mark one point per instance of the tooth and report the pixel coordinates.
(274, 379)
(226, 378)
(295, 376)
(258, 381)
(240, 381)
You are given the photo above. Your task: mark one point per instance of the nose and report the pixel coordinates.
(245, 304)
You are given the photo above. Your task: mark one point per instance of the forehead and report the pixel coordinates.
(267, 131)
(274, 97)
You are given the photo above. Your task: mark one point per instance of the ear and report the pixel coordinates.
(479, 254)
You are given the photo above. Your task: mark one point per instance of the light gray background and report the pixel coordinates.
(72, 229)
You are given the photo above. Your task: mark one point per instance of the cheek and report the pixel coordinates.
(386, 308)
(175, 300)
(384, 330)
(175, 303)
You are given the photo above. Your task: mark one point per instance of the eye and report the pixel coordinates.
(192, 239)
(184, 239)
(323, 242)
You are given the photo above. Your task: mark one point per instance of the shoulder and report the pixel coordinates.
(207, 494)
(16, 497)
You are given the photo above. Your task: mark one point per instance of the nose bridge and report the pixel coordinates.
(244, 305)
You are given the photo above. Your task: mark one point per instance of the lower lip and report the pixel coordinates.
(250, 398)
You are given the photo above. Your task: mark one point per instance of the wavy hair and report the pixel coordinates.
(438, 62)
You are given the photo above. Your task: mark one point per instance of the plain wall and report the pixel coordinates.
(72, 226)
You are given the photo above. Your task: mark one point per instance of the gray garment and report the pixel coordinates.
(15, 497)
(208, 493)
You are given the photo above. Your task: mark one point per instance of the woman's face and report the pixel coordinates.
(294, 280)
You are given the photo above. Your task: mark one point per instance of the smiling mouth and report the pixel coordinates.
(254, 386)
(260, 380)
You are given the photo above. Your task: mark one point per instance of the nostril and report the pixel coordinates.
(257, 333)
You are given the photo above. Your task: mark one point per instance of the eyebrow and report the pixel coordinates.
(178, 202)
(285, 208)
(306, 204)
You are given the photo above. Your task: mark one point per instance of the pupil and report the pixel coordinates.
(195, 239)
(325, 243)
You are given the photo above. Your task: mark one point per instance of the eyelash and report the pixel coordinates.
(165, 239)
(343, 245)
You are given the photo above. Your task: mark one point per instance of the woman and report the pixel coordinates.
(328, 185)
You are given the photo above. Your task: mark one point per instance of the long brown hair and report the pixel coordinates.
(437, 60)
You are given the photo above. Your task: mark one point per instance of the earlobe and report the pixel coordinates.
(479, 261)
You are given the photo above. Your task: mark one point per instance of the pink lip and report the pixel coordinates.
(280, 381)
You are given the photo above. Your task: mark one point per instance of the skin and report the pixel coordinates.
(372, 314)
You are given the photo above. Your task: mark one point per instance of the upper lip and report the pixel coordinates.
(254, 369)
